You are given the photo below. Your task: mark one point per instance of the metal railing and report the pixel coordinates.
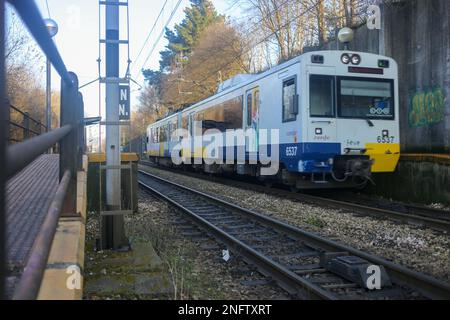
(14, 158)
(28, 127)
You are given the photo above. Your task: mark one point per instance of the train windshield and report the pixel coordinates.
(366, 98)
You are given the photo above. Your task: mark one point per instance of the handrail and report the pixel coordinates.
(31, 16)
(31, 279)
(15, 157)
(18, 156)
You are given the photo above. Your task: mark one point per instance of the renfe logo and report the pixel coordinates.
(374, 17)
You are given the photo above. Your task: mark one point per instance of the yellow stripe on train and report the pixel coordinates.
(385, 156)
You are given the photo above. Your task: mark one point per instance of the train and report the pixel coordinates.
(336, 114)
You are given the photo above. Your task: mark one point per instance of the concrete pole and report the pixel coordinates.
(113, 236)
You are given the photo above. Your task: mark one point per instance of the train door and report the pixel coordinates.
(321, 112)
(251, 118)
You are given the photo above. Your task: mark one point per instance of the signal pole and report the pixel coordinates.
(113, 233)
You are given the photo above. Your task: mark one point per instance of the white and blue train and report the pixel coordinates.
(337, 113)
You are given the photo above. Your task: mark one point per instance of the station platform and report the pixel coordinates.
(28, 197)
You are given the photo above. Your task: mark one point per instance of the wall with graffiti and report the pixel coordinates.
(427, 107)
(416, 34)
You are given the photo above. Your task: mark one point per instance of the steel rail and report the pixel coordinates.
(427, 285)
(408, 218)
(31, 16)
(31, 279)
(284, 277)
(18, 156)
(437, 224)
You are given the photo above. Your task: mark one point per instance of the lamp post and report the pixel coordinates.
(346, 36)
(52, 28)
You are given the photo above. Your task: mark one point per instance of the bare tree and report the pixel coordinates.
(23, 61)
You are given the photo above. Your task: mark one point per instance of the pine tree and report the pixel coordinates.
(198, 16)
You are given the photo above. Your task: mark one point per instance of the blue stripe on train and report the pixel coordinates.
(297, 157)
(309, 157)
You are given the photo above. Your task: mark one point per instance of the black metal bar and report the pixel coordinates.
(8, 121)
(92, 121)
(3, 135)
(30, 282)
(26, 126)
(31, 16)
(20, 155)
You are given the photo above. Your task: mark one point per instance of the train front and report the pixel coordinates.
(352, 115)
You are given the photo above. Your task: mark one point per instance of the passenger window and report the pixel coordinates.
(249, 109)
(321, 96)
(289, 97)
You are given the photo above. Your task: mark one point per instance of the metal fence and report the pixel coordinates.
(27, 128)
(14, 158)
(137, 145)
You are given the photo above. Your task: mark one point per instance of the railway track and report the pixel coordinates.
(418, 216)
(304, 264)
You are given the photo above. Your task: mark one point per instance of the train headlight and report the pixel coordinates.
(356, 59)
(345, 58)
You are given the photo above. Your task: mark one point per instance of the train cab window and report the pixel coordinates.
(364, 98)
(289, 97)
(321, 96)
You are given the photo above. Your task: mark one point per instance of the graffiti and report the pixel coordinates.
(427, 107)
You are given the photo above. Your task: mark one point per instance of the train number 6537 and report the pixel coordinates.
(385, 139)
(291, 151)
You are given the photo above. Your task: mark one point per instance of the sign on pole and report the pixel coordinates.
(124, 103)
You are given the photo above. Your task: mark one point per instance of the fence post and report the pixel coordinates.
(7, 122)
(68, 147)
(26, 125)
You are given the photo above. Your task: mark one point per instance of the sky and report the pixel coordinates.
(78, 37)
